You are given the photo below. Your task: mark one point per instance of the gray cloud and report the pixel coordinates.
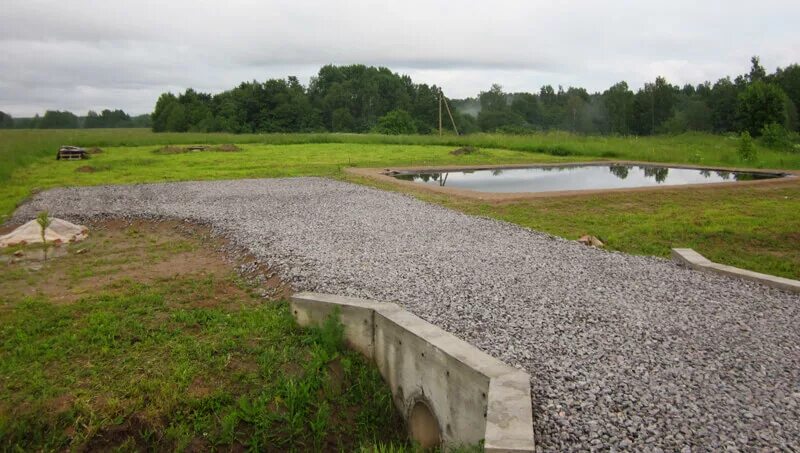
(87, 54)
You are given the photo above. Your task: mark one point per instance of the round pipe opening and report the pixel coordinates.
(423, 426)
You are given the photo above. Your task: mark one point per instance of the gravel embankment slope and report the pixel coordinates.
(623, 351)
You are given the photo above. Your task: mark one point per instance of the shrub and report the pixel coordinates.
(555, 150)
(396, 122)
(747, 150)
(775, 136)
(512, 129)
(761, 104)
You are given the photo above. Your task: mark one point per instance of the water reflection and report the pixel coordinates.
(577, 177)
(658, 173)
(620, 171)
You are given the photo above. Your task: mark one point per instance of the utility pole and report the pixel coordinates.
(574, 118)
(440, 112)
(653, 111)
(449, 113)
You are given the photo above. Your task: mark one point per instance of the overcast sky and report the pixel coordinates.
(80, 54)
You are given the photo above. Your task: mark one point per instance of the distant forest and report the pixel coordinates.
(56, 119)
(750, 102)
(359, 98)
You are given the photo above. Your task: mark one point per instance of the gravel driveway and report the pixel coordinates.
(623, 351)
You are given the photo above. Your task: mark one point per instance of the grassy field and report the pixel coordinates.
(148, 341)
(749, 227)
(22, 147)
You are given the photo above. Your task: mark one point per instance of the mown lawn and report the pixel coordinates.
(21, 147)
(752, 228)
(148, 341)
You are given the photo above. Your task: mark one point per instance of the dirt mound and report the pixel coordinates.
(226, 148)
(173, 149)
(85, 169)
(464, 150)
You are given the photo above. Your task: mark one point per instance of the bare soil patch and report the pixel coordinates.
(464, 150)
(143, 251)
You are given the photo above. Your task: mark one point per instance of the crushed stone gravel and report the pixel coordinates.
(624, 352)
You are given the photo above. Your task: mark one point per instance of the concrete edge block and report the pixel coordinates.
(689, 257)
(698, 262)
(509, 415)
(357, 316)
(346, 301)
(448, 343)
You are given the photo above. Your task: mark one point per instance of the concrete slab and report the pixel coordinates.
(507, 425)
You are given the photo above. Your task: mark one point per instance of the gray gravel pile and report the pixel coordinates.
(623, 351)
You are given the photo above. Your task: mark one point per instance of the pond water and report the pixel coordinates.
(577, 177)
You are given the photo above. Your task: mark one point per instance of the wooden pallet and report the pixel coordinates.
(71, 153)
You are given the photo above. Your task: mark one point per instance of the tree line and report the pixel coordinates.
(57, 119)
(354, 98)
(359, 98)
(750, 102)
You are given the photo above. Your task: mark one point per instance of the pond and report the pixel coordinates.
(577, 177)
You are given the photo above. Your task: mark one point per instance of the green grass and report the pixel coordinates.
(127, 366)
(751, 228)
(22, 147)
(193, 361)
(739, 226)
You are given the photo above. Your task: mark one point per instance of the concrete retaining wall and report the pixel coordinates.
(471, 395)
(694, 260)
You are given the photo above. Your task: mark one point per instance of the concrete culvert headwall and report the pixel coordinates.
(450, 393)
